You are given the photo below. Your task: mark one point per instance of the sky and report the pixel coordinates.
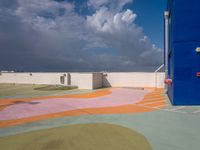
(81, 35)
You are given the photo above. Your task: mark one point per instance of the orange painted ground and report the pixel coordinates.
(151, 102)
(6, 102)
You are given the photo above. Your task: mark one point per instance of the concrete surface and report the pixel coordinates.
(82, 80)
(88, 80)
(54, 105)
(165, 127)
(78, 137)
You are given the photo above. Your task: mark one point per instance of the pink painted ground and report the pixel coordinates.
(42, 107)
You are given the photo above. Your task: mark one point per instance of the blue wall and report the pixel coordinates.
(184, 61)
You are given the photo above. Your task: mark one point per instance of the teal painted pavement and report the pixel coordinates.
(165, 130)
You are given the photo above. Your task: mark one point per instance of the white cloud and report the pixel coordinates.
(97, 3)
(115, 5)
(120, 31)
(39, 13)
(105, 21)
(107, 39)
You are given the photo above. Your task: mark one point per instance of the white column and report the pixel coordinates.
(166, 15)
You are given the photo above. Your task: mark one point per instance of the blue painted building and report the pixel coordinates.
(182, 51)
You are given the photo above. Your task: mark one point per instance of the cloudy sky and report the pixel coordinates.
(81, 35)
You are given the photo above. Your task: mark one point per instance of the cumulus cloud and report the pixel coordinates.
(51, 36)
(105, 21)
(114, 5)
(119, 31)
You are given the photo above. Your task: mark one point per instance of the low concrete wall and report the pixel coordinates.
(82, 80)
(159, 79)
(88, 80)
(134, 79)
(31, 78)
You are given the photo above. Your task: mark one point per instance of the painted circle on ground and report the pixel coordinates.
(78, 137)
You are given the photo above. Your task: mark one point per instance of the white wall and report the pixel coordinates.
(133, 79)
(160, 78)
(27, 78)
(89, 80)
(82, 80)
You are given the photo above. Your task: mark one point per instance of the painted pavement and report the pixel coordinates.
(146, 111)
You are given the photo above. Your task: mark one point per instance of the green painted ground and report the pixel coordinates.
(78, 137)
(27, 90)
(55, 88)
(164, 130)
(171, 128)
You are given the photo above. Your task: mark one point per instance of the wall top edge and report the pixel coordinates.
(69, 72)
